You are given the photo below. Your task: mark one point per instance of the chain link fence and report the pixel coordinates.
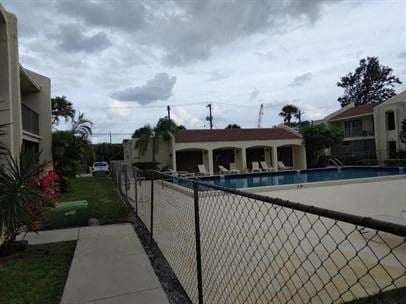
(228, 246)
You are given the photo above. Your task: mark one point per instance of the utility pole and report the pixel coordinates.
(110, 137)
(210, 117)
(261, 114)
(169, 112)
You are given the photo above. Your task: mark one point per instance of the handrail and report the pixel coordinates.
(339, 162)
(334, 162)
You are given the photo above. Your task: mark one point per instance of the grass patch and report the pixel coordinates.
(37, 275)
(395, 296)
(101, 196)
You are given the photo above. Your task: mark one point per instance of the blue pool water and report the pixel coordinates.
(300, 177)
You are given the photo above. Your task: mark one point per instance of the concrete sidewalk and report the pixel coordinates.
(109, 266)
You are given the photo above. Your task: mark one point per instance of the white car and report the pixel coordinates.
(100, 168)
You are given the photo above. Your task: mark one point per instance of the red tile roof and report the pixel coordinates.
(356, 111)
(234, 135)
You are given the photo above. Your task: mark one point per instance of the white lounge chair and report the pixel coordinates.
(178, 173)
(282, 166)
(224, 170)
(255, 167)
(233, 169)
(265, 166)
(202, 170)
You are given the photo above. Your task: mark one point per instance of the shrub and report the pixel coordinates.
(22, 200)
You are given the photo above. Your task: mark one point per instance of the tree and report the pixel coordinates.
(403, 132)
(370, 82)
(233, 126)
(70, 148)
(320, 137)
(288, 112)
(62, 108)
(82, 126)
(148, 134)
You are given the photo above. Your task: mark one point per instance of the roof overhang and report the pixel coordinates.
(352, 117)
(27, 83)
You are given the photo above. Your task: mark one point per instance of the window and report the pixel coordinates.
(353, 128)
(390, 120)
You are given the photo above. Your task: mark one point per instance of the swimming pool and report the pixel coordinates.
(300, 177)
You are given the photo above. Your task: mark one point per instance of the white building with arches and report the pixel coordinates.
(220, 147)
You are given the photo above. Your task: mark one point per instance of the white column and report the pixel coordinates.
(210, 158)
(275, 157)
(243, 160)
(174, 160)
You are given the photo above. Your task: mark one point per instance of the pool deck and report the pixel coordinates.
(372, 199)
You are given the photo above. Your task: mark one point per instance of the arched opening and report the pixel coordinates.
(259, 154)
(189, 159)
(225, 156)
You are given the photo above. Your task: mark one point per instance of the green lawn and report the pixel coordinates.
(37, 275)
(103, 201)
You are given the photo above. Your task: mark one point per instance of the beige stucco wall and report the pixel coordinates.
(10, 93)
(397, 104)
(163, 155)
(40, 102)
(10, 82)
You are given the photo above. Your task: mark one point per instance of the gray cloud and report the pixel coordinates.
(72, 39)
(188, 30)
(218, 75)
(158, 88)
(253, 95)
(126, 15)
(301, 80)
(402, 54)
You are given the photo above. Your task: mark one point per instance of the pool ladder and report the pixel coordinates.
(336, 162)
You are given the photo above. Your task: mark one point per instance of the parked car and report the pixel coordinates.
(101, 168)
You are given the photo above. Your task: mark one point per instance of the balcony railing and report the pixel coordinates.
(30, 120)
(358, 133)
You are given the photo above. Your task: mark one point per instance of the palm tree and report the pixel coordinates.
(82, 126)
(62, 108)
(288, 112)
(148, 134)
(233, 126)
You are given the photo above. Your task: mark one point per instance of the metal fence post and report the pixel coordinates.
(126, 183)
(152, 207)
(198, 244)
(135, 175)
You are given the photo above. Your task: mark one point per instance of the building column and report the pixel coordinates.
(275, 157)
(210, 158)
(243, 160)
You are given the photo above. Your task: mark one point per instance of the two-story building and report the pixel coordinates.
(371, 131)
(25, 97)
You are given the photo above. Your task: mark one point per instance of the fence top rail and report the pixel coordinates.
(367, 222)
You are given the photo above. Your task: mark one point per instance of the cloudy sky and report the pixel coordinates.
(123, 61)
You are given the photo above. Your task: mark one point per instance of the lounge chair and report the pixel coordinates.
(282, 166)
(233, 169)
(255, 167)
(202, 170)
(224, 170)
(265, 167)
(178, 173)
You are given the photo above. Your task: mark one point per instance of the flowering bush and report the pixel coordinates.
(49, 185)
